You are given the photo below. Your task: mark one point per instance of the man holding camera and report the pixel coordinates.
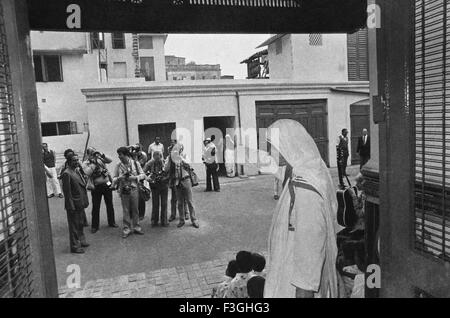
(159, 183)
(140, 156)
(100, 185)
(127, 174)
(212, 167)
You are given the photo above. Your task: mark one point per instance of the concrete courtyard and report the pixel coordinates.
(170, 262)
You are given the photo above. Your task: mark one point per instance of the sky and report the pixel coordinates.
(228, 50)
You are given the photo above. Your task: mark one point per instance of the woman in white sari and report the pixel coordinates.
(229, 156)
(302, 239)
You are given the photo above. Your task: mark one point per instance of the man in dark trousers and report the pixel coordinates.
(76, 200)
(95, 168)
(53, 186)
(212, 167)
(363, 148)
(342, 156)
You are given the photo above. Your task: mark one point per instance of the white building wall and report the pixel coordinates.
(299, 61)
(63, 101)
(159, 58)
(327, 62)
(187, 105)
(48, 40)
(120, 55)
(281, 65)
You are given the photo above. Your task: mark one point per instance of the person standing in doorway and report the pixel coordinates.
(212, 167)
(159, 185)
(363, 148)
(95, 168)
(127, 174)
(76, 200)
(155, 146)
(342, 156)
(229, 157)
(53, 187)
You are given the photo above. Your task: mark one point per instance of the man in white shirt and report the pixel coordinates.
(212, 167)
(156, 146)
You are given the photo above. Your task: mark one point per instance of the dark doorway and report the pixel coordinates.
(147, 134)
(218, 126)
(359, 119)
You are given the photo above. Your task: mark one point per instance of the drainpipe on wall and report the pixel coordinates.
(125, 110)
(241, 166)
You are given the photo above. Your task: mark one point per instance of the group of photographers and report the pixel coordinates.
(130, 178)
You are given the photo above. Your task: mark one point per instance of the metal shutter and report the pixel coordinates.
(357, 56)
(15, 259)
(432, 128)
(246, 3)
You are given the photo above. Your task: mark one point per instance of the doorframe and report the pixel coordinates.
(43, 268)
(364, 102)
(403, 268)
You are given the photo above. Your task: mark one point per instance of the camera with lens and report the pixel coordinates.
(134, 149)
(157, 177)
(126, 189)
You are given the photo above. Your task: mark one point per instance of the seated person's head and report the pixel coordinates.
(232, 269)
(259, 262)
(244, 261)
(359, 180)
(255, 287)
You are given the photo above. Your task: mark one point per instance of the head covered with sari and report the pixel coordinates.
(300, 151)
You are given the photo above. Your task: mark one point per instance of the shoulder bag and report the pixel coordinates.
(144, 191)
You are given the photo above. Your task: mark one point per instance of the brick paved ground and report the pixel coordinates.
(191, 281)
(171, 262)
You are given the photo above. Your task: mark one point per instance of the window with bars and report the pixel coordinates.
(15, 257)
(97, 40)
(315, 39)
(432, 128)
(118, 40)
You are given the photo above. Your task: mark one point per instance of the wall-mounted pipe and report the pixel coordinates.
(125, 110)
(241, 166)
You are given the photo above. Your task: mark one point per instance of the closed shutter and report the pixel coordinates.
(15, 259)
(357, 56)
(432, 128)
(246, 3)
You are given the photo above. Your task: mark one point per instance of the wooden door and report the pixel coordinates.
(312, 114)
